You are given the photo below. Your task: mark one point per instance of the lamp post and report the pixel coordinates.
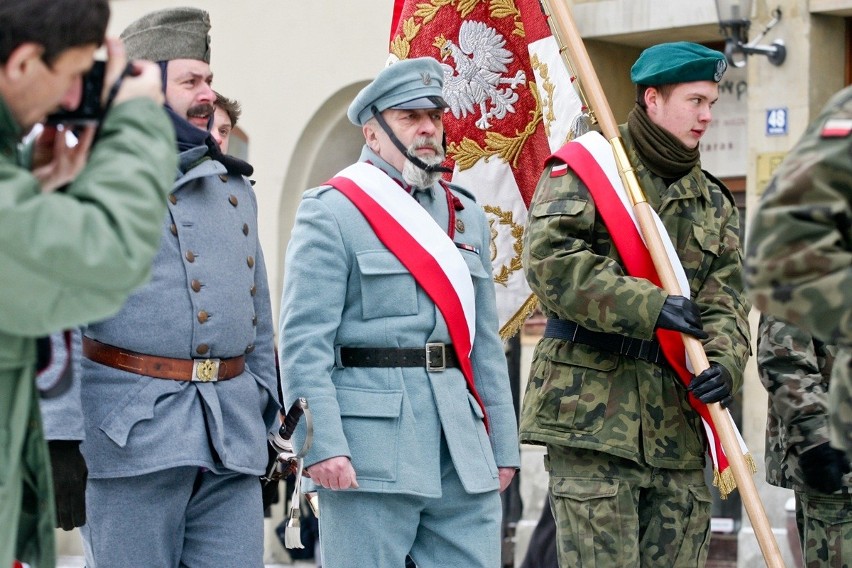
(734, 21)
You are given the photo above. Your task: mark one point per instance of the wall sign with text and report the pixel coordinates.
(776, 121)
(723, 147)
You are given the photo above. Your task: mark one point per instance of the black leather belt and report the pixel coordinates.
(434, 357)
(647, 350)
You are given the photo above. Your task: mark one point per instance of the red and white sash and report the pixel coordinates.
(590, 157)
(428, 253)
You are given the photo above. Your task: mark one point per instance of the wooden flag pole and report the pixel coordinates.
(566, 31)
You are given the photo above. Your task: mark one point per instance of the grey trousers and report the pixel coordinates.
(180, 517)
(457, 530)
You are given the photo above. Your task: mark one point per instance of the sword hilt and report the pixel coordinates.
(292, 419)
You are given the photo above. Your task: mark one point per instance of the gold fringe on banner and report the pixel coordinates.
(725, 481)
(514, 324)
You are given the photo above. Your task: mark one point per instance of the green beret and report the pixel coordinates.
(174, 33)
(408, 84)
(678, 62)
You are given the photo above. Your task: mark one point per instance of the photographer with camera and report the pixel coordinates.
(78, 225)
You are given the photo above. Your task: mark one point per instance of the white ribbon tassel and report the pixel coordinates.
(293, 531)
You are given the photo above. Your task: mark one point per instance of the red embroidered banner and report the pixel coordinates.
(511, 105)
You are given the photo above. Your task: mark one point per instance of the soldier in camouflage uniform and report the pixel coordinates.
(795, 368)
(625, 450)
(800, 248)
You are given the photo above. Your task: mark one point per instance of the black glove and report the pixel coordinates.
(714, 384)
(823, 467)
(269, 489)
(69, 483)
(681, 314)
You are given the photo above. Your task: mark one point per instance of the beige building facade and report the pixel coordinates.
(295, 66)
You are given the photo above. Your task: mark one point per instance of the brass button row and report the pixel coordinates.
(232, 199)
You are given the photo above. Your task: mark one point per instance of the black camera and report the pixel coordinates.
(90, 110)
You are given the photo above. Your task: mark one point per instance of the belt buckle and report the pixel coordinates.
(205, 370)
(436, 348)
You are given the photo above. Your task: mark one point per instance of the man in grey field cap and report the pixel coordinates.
(179, 388)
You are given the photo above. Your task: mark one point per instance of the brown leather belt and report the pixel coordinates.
(200, 370)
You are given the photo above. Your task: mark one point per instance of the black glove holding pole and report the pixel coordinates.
(714, 384)
(681, 314)
(69, 483)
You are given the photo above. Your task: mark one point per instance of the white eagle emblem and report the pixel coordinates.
(477, 79)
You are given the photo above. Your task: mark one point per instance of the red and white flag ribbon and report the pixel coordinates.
(423, 247)
(590, 157)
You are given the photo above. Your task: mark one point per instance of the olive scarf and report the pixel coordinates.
(661, 151)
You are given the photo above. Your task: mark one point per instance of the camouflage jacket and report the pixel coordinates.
(581, 397)
(799, 248)
(795, 368)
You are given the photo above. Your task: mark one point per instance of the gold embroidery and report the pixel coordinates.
(426, 12)
(547, 101)
(507, 148)
(514, 323)
(507, 9)
(502, 275)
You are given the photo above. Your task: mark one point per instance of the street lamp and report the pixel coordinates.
(734, 21)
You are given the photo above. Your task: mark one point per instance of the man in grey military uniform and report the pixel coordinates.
(179, 388)
(796, 370)
(388, 327)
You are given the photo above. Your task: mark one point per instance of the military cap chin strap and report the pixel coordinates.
(399, 146)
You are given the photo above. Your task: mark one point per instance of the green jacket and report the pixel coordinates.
(582, 397)
(800, 248)
(67, 258)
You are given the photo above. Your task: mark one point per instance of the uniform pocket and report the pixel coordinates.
(474, 264)
(587, 512)
(138, 404)
(387, 288)
(554, 221)
(562, 206)
(575, 389)
(697, 261)
(484, 440)
(371, 426)
(696, 530)
(828, 528)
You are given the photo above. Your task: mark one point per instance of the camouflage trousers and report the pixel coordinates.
(825, 529)
(612, 512)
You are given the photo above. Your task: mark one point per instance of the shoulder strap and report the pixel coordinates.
(721, 185)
